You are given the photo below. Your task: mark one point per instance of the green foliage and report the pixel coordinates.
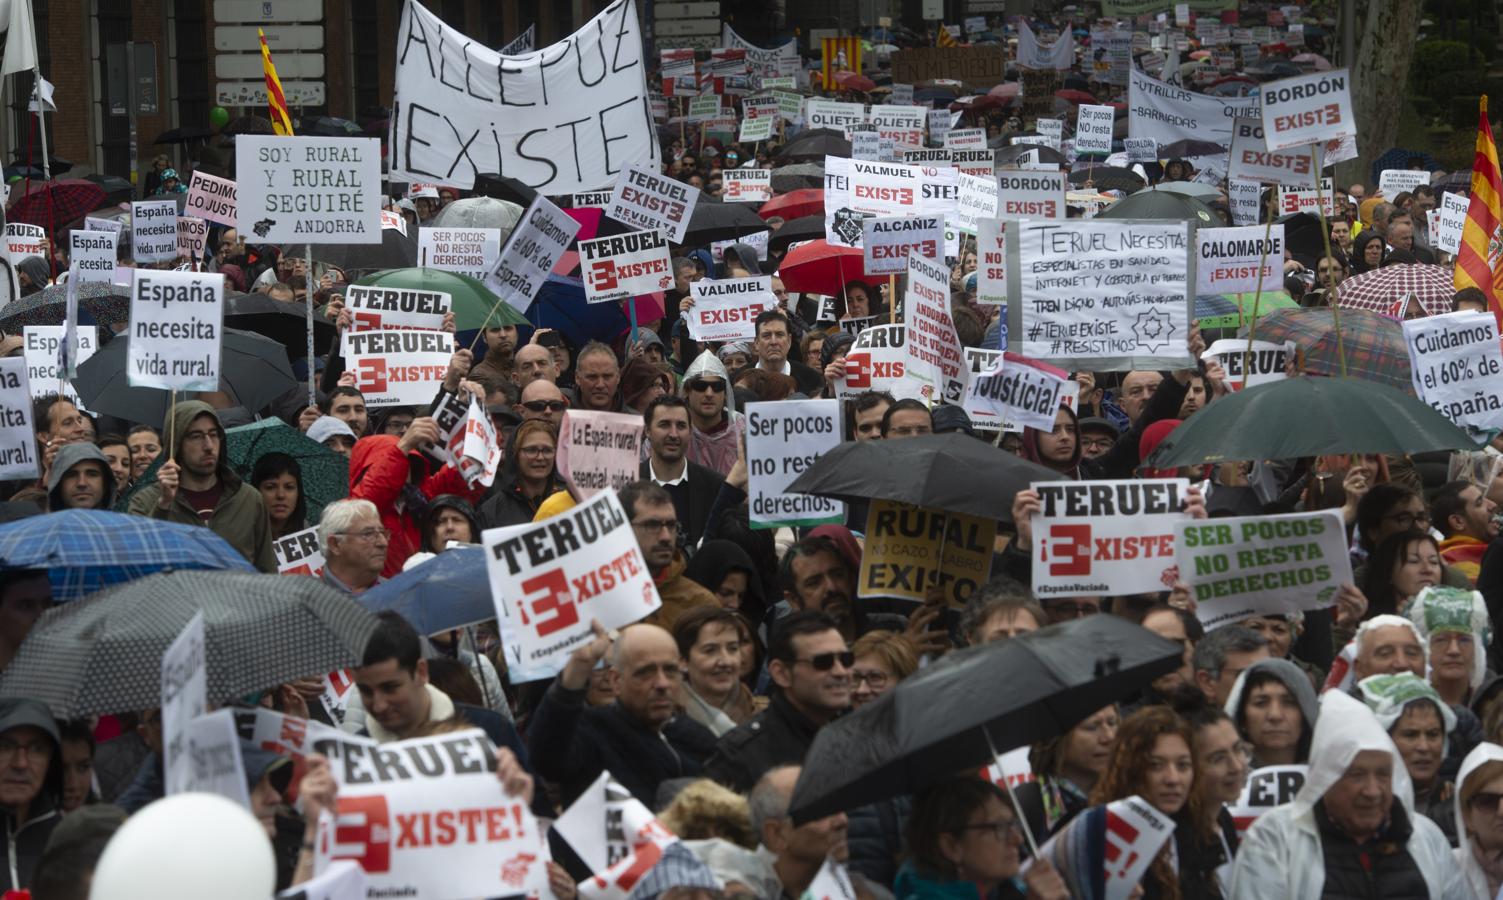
(1442, 70)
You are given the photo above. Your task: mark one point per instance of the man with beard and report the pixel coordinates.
(656, 524)
(692, 486)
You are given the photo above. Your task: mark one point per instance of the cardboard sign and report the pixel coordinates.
(615, 835)
(1266, 788)
(644, 199)
(1307, 109)
(1456, 367)
(1237, 260)
(910, 549)
(782, 440)
(185, 696)
(878, 362)
(550, 579)
(467, 251)
(1267, 361)
(625, 265)
(92, 255)
(1262, 565)
(1030, 195)
(42, 346)
(933, 346)
(1446, 235)
(315, 190)
(213, 198)
(819, 113)
(1106, 538)
(727, 309)
(192, 234)
(599, 450)
(1392, 182)
(1251, 159)
(1093, 129)
(746, 185)
(299, 553)
(1018, 390)
(1169, 113)
(887, 242)
(398, 367)
(153, 231)
(176, 326)
(427, 817)
(18, 441)
(462, 109)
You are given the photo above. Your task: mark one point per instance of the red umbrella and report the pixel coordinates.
(1075, 96)
(71, 199)
(818, 268)
(795, 204)
(1007, 89)
(854, 81)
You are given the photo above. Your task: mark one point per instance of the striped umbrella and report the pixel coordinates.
(1383, 290)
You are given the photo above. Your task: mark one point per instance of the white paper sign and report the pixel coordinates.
(211, 762)
(153, 231)
(176, 327)
(1252, 160)
(887, 241)
(727, 309)
(644, 199)
(468, 251)
(1135, 832)
(900, 124)
(1030, 195)
(746, 185)
(1106, 538)
(92, 254)
(885, 189)
(1307, 109)
(1392, 182)
(1051, 132)
(1262, 565)
(1093, 129)
(1446, 236)
(23, 241)
(1236, 260)
(831, 882)
(314, 190)
(541, 236)
(977, 203)
(1144, 150)
(933, 347)
(18, 441)
(1266, 788)
(398, 367)
(615, 835)
(185, 695)
(213, 198)
(878, 362)
(1295, 201)
(299, 553)
(782, 440)
(756, 128)
(965, 138)
(1456, 367)
(481, 453)
(625, 265)
(1265, 363)
(41, 348)
(113, 226)
(991, 262)
(192, 234)
(832, 114)
(599, 450)
(1245, 198)
(1017, 390)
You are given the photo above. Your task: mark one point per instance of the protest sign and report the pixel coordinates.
(820, 113)
(981, 163)
(625, 265)
(878, 362)
(597, 199)
(1168, 113)
(541, 574)
(991, 262)
(18, 441)
(340, 880)
(387, 309)
(965, 138)
(910, 549)
(153, 231)
(92, 254)
(41, 347)
(426, 817)
(1266, 788)
(644, 199)
(299, 553)
(192, 233)
(1446, 236)
(1012, 769)
(1020, 391)
(1392, 182)
(398, 367)
(1144, 150)
(460, 109)
(113, 226)
(865, 145)
(210, 761)
(1267, 361)
(1100, 294)
(977, 201)
(1262, 565)
(393, 220)
(176, 326)
(939, 126)
(1093, 129)
(314, 190)
(727, 309)
(782, 440)
(887, 241)
(1135, 832)
(979, 66)
(678, 72)
(1236, 260)
(1030, 195)
(760, 107)
(1245, 199)
(756, 240)
(1456, 367)
(901, 124)
(746, 185)
(480, 452)
(902, 95)
(790, 105)
(532, 250)
(1307, 109)
(185, 695)
(522, 43)
(703, 108)
(615, 835)
(756, 128)
(467, 251)
(1050, 132)
(1031, 54)
(1251, 159)
(1297, 201)
(599, 450)
(885, 189)
(213, 198)
(23, 241)
(1106, 538)
(933, 347)
(979, 361)
(768, 61)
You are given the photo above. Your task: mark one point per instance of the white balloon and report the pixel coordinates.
(187, 847)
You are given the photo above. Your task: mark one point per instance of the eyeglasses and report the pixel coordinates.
(653, 526)
(1408, 520)
(824, 662)
(717, 387)
(1001, 829)
(549, 405)
(1486, 801)
(535, 452)
(875, 680)
(369, 534)
(38, 748)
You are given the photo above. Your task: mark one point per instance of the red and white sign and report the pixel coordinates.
(1252, 160)
(299, 553)
(1030, 194)
(1292, 201)
(1011, 770)
(389, 309)
(1307, 109)
(22, 240)
(481, 452)
(1106, 538)
(599, 450)
(727, 309)
(625, 265)
(1135, 832)
(1267, 361)
(933, 346)
(616, 835)
(213, 198)
(900, 124)
(645, 199)
(885, 189)
(1236, 260)
(746, 185)
(878, 361)
(887, 242)
(1266, 788)
(1018, 390)
(398, 368)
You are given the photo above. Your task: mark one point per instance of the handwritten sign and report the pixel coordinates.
(314, 190)
(599, 450)
(1456, 367)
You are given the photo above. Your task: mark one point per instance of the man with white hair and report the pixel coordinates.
(353, 542)
(1351, 827)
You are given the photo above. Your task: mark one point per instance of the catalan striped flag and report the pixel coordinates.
(945, 38)
(1477, 262)
(841, 54)
(276, 101)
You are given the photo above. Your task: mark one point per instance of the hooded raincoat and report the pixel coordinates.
(1471, 870)
(70, 456)
(717, 448)
(1031, 448)
(1293, 678)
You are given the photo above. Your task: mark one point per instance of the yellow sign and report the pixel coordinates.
(910, 548)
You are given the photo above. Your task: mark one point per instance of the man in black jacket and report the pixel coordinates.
(31, 759)
(773, 343)
(639, 738)
(692, 486)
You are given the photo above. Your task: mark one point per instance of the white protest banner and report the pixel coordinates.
(878, 362)
(902, 124)
(1446, 236)
(1236, 260)
(41, 346)
(1252, 160)
(965, 139)
(299, 553)
(1033, 55)
(185, 695)
(522, 43)
(1456, 367)
(213, 198)
(153, 231)
(933, 347)
(644, 199)
(625, 265)
(92, 253)
(1306, 109)
(210, 762)
(18, 440)
(756, 128)
(532, 250)
(467, 251)
(1168, 113)
(1392, 182)
(1262, 565)
(340, 880)
(387, 309)
(23, 241)
(550, 579)
(398, 367)
(192, 234)
(820, 113)
(1100, 294)
(1295, 201)
(1030, 195)
(887, 242)
(991, 262)
(977, 201)
(113, 226)
(1051, 132)
(481, 453)
(1245, 198)
(727, 309)
(427, 817)
(176, 327)
(1021, 391)
(599, 450)
(1266, 363)
(1093, 129)
(884, 189)
(756, 240)
(766, 61)
(317, 190)
(615, 835)
(460, 109)
(1107, 538)
(1143, 150)
(1266, 788)
(782, 440)
(746, 185)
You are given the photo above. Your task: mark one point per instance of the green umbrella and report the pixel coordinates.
(1236, 310)
(474, 303)
(1308, 416)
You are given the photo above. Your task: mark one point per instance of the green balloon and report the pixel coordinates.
(219, 117)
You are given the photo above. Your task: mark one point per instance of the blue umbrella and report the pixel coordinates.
(87, 550)
(561, 305)
(450, 591)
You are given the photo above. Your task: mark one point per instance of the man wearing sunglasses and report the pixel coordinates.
(716, 427)
(542, 400)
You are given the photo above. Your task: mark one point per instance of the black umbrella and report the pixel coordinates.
(814, 145)
(1107, 178)
(1190, 147)
(280, 320)
(954, 715)
(1009, 155)
(804, 228)
(938, 471)
(183, 134)
(250, 125)
(180, 199)
(116, 189)
(329, 126)
(1165, 205)
(253, 369)
(1455, 183)
(502, 187)
(1303, 235)
(396, 251)
(798, 175)
(103, 654)
(716, 221)
(58, 165)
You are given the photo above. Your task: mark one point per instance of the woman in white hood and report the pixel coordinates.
(1351, 826)
(1479, 821)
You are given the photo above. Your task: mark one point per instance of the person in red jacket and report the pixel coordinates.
(394, 474)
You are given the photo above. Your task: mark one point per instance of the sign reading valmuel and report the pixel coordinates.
(309, 190)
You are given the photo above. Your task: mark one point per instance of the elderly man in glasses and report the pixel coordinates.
(716, 426)
(354, 543)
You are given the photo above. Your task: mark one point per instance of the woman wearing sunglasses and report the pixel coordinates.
(529, 478)
(1479, 821)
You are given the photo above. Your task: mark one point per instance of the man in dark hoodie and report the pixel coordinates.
(80, 478)
(31, 785)
(197, 486)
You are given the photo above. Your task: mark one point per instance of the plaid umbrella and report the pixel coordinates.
(86, 550)
(103, 654)
(70, 199)
(818, 268)
(795, 204)
(1233, 310)
(109, 305)
(1375, 347)
(1381, 290)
